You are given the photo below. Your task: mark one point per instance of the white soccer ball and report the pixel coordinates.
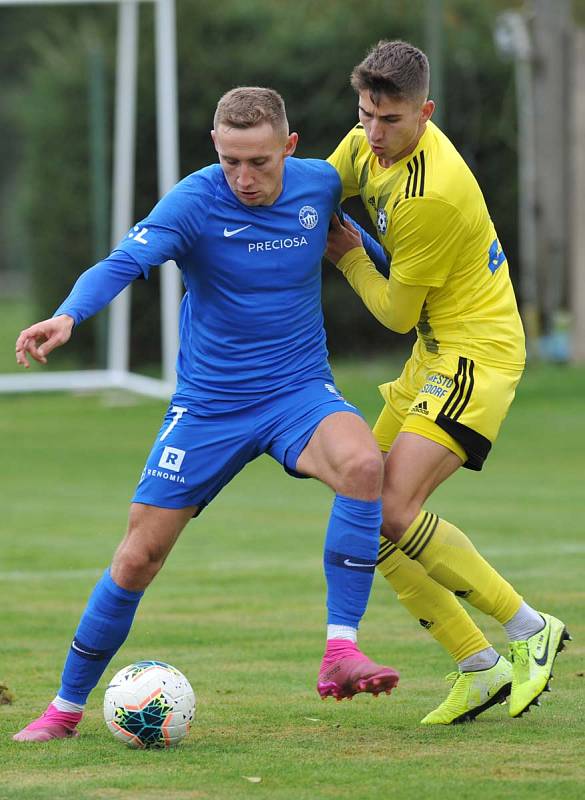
(149, 705)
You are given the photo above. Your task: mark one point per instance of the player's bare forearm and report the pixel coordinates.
(42, 338)
(93, 290)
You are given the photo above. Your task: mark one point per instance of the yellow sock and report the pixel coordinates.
(450, 558)
(436, 608)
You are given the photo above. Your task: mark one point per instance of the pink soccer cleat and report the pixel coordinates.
(52, 724)
(346, 671)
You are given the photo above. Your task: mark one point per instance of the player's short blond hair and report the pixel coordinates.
(396, 69)
(249, 106)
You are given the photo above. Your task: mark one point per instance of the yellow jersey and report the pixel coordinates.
(432, 220)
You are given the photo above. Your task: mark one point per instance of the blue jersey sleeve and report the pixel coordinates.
(337, 186)
(329, 182)
(98, 286)
(173, 225)
(373, 248)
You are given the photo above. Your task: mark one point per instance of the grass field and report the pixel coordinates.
(239, 608)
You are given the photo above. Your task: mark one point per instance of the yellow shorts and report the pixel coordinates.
(453, 400)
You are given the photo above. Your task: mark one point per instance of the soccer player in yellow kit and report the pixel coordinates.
(449, 278)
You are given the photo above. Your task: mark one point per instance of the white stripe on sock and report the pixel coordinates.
(485, 659)
(65, 705)
(342, 632)
(524, 624)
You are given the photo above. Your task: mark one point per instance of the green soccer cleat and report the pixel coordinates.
(532, 663)
(472, 693)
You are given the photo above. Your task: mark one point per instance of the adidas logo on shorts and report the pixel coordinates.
(420, 408)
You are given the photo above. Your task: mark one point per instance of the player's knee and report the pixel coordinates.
(396, 517)
(361, 475)
(134, 566)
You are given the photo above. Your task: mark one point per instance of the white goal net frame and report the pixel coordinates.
(117, 373)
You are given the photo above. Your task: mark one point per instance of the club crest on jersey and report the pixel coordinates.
(382, 221)
(308, 217)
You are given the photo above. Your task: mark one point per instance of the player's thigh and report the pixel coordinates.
(343, 454)
(313, 431)
(194, 457)
(413, 469)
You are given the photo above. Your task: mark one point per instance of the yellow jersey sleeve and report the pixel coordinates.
(426, 238)
(343, 159)
(396, 305)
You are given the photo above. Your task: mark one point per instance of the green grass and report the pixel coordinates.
(239, 608)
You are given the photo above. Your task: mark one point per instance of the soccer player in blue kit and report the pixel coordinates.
(253, 377)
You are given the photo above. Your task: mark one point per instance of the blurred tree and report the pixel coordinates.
(14, 25)
(303, 49)
(53, 192)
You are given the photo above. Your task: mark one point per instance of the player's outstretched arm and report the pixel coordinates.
(93, 290)
(42, 338)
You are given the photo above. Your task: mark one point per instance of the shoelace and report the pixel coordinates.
(519, 653)
(458, 687)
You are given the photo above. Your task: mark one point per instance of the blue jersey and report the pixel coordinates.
(251, 319)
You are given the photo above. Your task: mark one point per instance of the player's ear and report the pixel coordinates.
(427, 110)
(213, 136)
(291, 144)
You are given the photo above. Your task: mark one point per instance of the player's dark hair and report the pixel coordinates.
(248, 106)
(396, 69)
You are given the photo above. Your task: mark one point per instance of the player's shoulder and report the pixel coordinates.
(311, 167)
(191, 197)
(354, 142)
(437, 183)
(357, 133)
(313, 172)
(436, 169)
(206, 180)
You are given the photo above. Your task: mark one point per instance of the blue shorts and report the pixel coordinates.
(196, 454)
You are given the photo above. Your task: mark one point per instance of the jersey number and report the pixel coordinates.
(496, 256)
(177, 413)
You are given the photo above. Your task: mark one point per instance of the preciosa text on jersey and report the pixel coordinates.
(277, 244)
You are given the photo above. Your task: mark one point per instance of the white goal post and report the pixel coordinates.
(117, 373)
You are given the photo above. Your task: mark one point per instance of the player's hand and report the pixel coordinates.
(41, 338)
(342, 237)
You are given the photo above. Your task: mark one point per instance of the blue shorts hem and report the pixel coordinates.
(162, 503)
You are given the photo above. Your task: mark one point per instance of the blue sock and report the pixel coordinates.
(351, 550)
(103, 627)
